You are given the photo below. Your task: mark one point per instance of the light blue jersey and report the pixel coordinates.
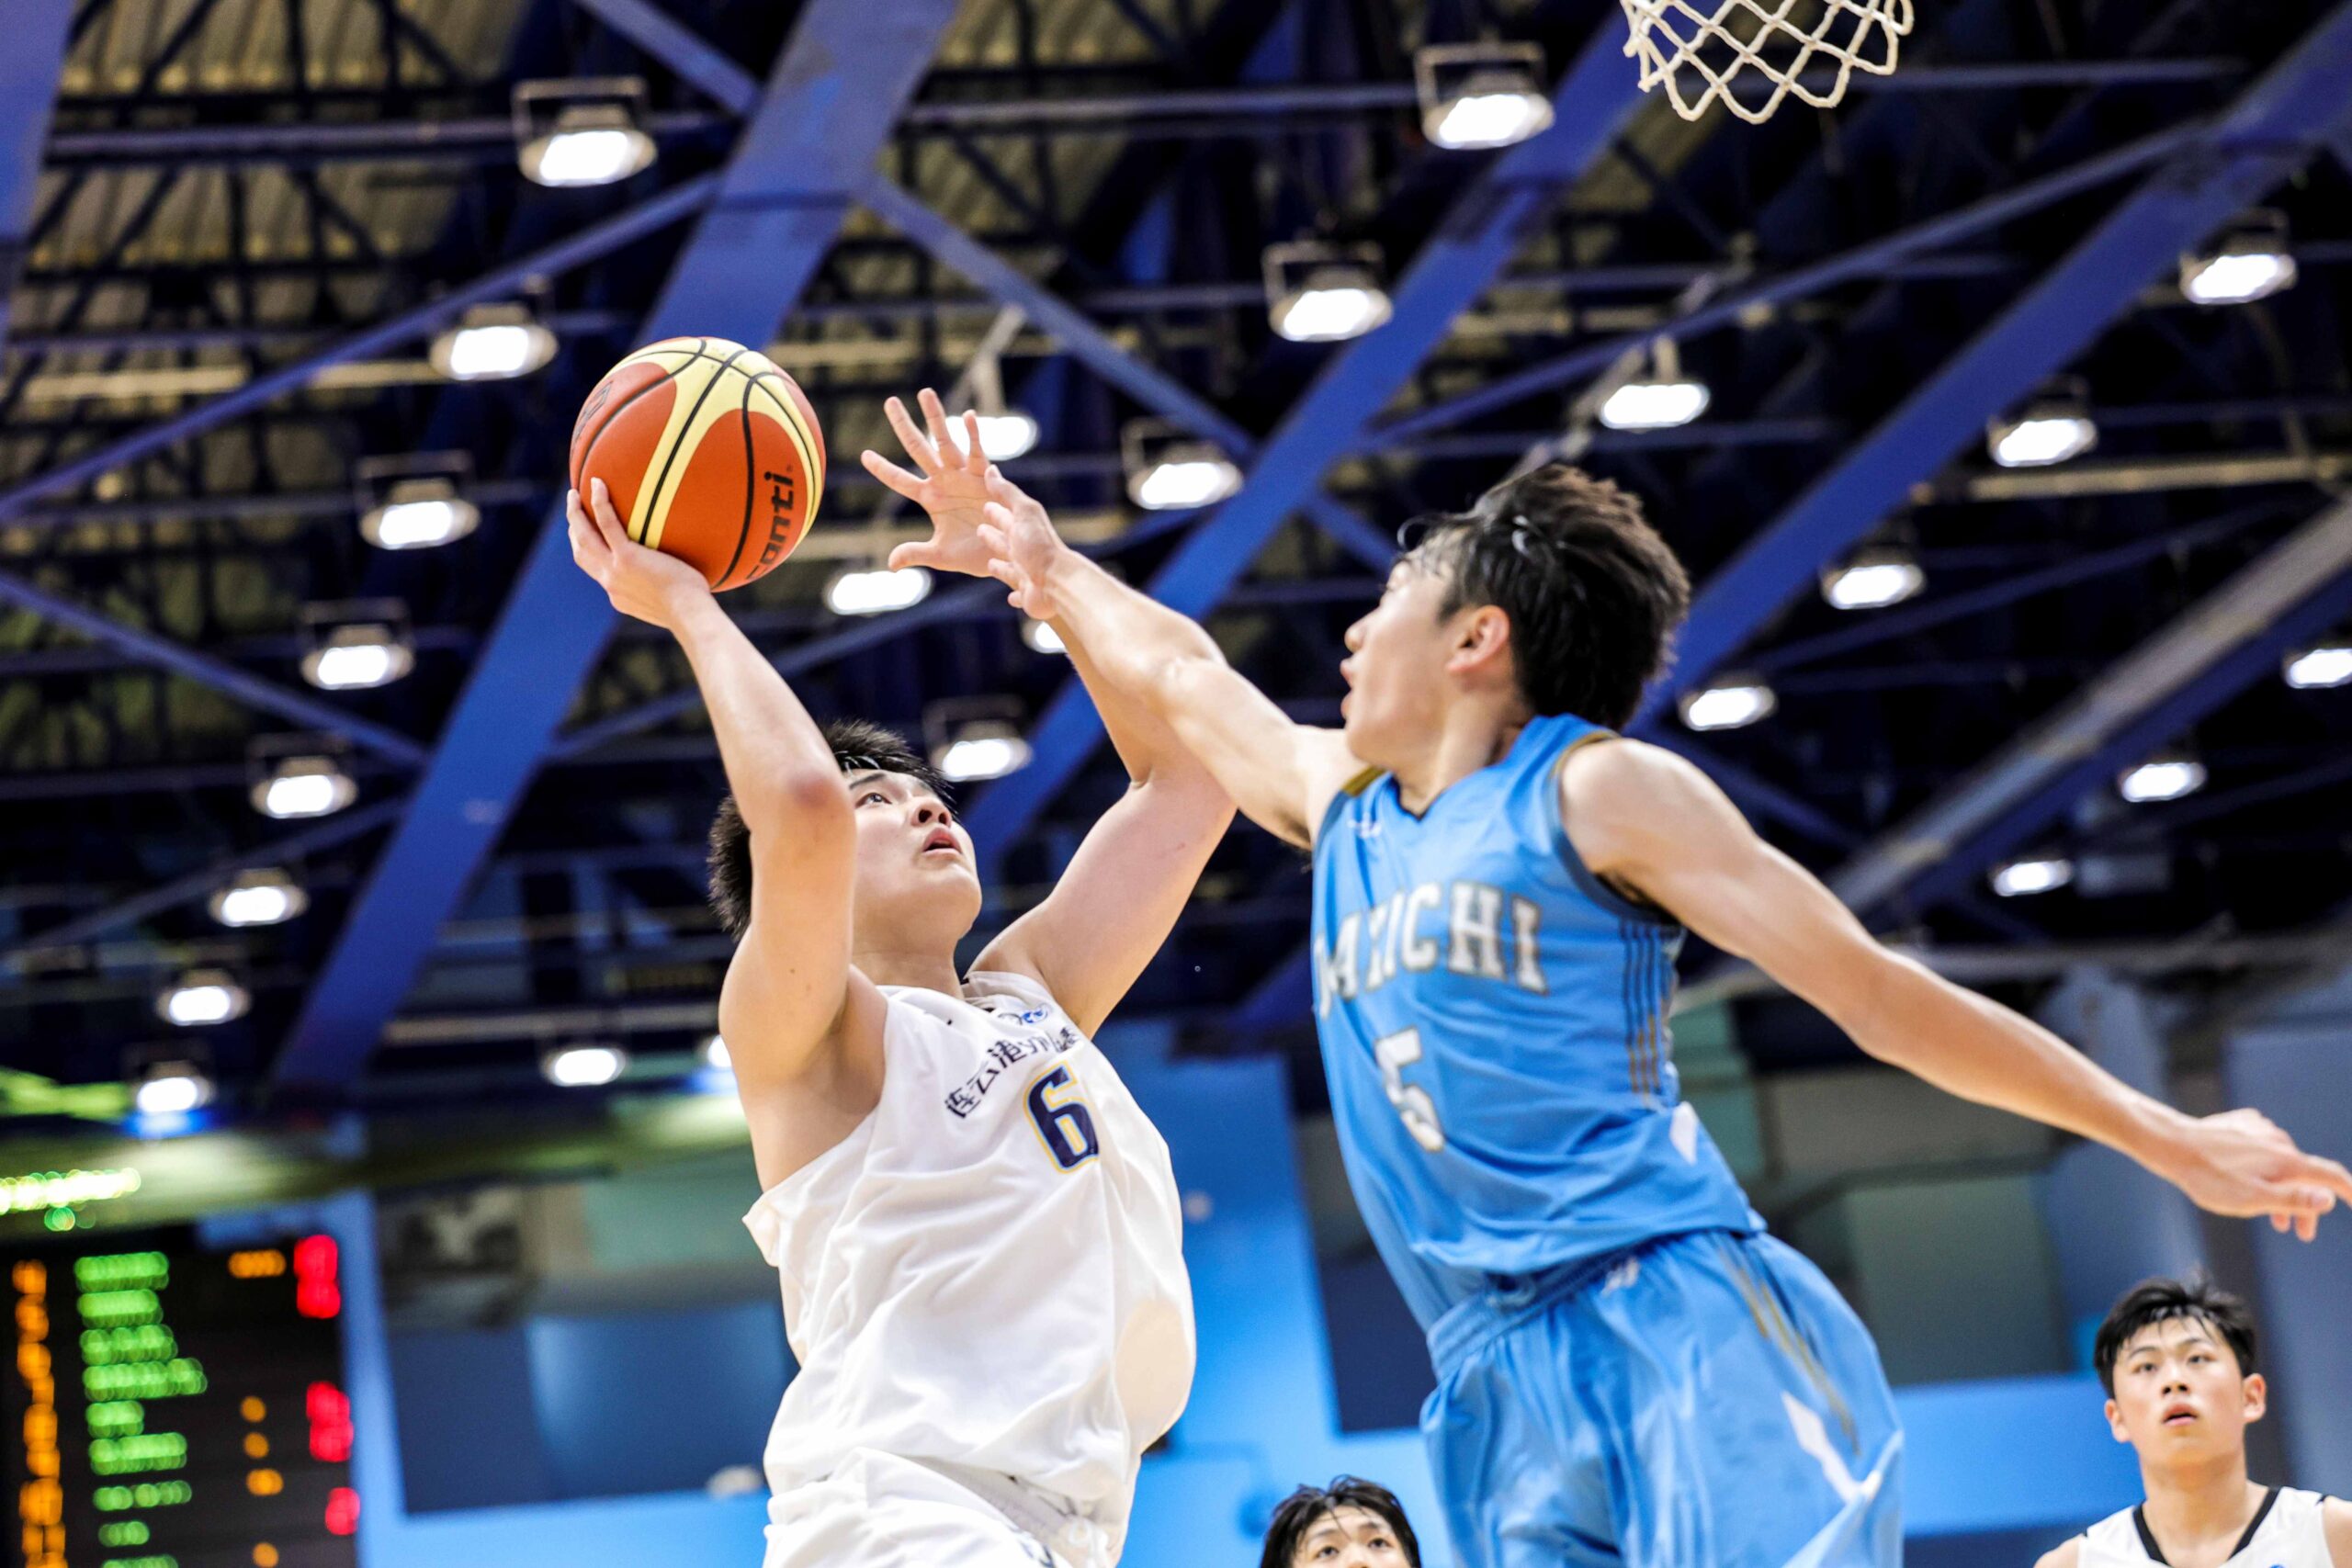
(1492, 1021)
(1630, 1373)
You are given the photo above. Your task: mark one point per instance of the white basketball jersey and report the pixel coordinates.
(2288, 1532)
(987, 1272)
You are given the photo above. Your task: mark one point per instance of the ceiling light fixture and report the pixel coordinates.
(357, 645)
(2252, 261)
(2318, 668)
(2038, 874)
(1481, 95)
(983, 749)
(2167, 778)
(303, 785)
(2050, 430)
(1171, 471)
(201, 998)
(1730, 702)
(492, 342)
(1324, 293)
(584, 1066)
(874, 590)
(172, 1088)
(1873, 578)
(583, 132)
(266, 896)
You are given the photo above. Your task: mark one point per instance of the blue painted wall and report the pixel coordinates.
(1990, 1464)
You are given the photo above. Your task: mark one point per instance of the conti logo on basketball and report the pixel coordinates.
(783, 510)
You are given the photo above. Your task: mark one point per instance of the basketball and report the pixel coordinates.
(711, 453)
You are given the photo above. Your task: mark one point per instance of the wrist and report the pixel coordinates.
(2158, 1137)
(692, 617)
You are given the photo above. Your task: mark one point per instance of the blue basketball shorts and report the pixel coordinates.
(1706, 1401)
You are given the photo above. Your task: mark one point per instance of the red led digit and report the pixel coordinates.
(329, 1410)
(342, 1511)
(317, 1293)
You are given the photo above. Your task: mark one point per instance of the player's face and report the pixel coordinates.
(915, 867)
(1395, 666)
(2180, 1397)
(1349, 1537)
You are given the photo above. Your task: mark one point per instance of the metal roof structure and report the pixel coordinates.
(234, 224)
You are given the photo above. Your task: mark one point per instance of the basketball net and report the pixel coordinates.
(1700, 49)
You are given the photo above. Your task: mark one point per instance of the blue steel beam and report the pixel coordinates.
(29, 74)
(2264, 138)
(150, 647)
(1086, 342)
(825, 112)
(598, 240)
(2238, 633)
(29, 68)
(677, 46)
(1874, 258)
(197, 883)
(1469, 250)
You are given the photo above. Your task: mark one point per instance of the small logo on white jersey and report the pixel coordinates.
(965, 1097)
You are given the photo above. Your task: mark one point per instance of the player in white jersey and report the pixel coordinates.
(978, 1230)
(2177, 1361)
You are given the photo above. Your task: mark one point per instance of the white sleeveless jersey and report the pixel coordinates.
(987, 1272)
(2288, 1532)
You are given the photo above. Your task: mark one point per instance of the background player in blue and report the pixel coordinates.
(1629, 1369)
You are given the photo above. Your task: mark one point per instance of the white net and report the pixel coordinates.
(1750, 54)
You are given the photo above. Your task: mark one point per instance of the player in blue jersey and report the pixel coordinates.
(1630, 1369)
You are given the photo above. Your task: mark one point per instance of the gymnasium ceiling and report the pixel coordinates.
(233, 194)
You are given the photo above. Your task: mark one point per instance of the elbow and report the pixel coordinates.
(1887, 1007)
(805, 802)
(1179, 679)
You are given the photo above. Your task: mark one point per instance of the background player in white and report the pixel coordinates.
(2178, 1360)
(978, 1231)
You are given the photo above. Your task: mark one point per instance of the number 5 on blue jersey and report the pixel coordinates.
(1064, 1124)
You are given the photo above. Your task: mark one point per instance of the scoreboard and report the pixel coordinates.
(171, 1405)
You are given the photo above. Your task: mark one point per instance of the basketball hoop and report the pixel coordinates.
(1700, 48)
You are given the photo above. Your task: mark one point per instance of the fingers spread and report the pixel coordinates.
(918, 446)
(892, 476)
(935, 423)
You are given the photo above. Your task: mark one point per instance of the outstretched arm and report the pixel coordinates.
(1281, 774)
(786, 996)
(1646, 817)
(1111, 911)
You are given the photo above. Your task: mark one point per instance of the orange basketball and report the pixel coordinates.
(711, 453)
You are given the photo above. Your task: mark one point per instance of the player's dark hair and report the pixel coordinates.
(859, 747)
(1300, 1511)
(2152, 1302)
(1593, 595)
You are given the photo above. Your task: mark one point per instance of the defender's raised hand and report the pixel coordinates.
(952, 486)
(1021, 546)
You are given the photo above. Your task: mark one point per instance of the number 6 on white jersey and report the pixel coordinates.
(1395, 1053)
